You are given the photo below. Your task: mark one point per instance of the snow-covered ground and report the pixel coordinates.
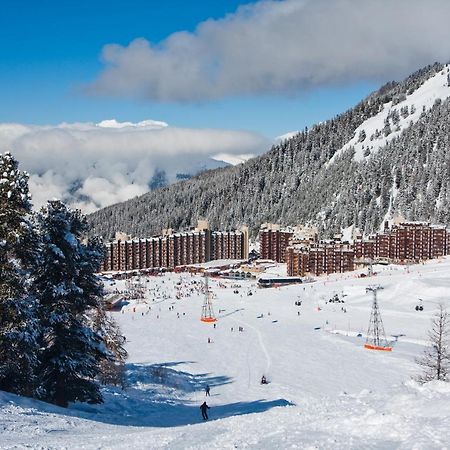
(325, 390)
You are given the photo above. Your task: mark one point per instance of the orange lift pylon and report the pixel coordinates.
(207, 308)
(376, 338)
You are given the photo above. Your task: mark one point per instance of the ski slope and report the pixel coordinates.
(422, 99)
(325, 390)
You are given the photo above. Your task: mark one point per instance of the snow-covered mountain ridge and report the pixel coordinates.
(394, 117)
(388, 155)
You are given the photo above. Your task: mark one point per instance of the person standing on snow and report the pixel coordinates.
(207, 389)
(204, 409)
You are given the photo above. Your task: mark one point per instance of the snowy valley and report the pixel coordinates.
(325, 390)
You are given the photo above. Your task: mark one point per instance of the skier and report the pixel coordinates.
(207, 389)
(263, 380)
(204, 409)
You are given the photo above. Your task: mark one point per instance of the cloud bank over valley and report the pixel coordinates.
(91, 166)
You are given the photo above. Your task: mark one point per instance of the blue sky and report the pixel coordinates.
(50, 49)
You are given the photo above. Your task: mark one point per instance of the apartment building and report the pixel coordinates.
(173, 249)
(319, 259)
(273, 241)
(398, 243)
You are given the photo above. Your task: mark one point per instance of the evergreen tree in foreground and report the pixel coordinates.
(436, 358)
(112, 370)
(18, 243)
(68, 290)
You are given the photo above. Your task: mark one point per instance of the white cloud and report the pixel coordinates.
(281, 47)
(94, 165)
(113, 123)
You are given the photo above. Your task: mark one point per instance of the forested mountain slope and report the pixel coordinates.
(389, 154)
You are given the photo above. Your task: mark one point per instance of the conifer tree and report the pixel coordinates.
(18, 244)
(68, 289)
(112, 369)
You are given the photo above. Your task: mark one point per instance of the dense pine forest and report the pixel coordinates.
(297, 181)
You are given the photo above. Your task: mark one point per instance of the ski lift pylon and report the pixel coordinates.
(207, 309)
(376, 337)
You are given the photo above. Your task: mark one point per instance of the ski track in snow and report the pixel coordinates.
(260, 341)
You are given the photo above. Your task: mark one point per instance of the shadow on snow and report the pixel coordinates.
(163, 376)
(151, 413)
(156, 397)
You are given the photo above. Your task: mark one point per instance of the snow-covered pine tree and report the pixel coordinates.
(436, 358)
(112, 370)
(18, 253)
(68, 289)
(362, 135)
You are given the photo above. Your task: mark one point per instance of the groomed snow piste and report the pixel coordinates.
(325, 390)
